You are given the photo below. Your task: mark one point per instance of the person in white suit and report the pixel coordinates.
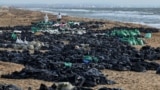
(59, 17)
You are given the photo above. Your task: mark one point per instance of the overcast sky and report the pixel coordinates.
(150, 3)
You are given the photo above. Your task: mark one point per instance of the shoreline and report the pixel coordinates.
(152, 25)
(16, 16)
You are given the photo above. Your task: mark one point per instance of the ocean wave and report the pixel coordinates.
(127, 15)
(54, 13)
(72, 10)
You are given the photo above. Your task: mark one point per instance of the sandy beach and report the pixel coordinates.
(126, 80)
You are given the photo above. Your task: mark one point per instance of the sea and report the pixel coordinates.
(145, 16)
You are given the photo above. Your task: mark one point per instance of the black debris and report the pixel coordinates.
(158, 70)
(9, 87)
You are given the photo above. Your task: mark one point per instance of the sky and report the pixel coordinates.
(133, 3)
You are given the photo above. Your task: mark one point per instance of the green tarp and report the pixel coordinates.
(34, 29)
(68, 64)
(87, 58)
(148, 35)
(91, 58)
(133, 41)
(128, 36)
(14, 36)
(125, 33)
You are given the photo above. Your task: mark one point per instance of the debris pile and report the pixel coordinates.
(80, 60)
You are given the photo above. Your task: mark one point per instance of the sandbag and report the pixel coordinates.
(148, 35)
(158, 70)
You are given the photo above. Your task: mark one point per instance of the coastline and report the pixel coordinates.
(15, 16)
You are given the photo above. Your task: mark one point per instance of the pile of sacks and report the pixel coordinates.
(56, 86)
(9, 87)
(80, 61)
(69, 86)
(33, 45)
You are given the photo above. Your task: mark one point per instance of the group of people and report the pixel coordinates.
(59, 17)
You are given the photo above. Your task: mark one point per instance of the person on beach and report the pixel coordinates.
(59, 17)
